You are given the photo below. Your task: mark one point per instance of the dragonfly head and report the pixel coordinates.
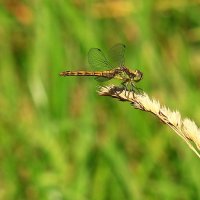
(136, 75)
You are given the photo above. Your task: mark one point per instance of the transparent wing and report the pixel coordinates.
(102, 79)
(97, 60)
(116, 55)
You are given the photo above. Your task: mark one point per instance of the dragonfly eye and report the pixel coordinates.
(138, 75)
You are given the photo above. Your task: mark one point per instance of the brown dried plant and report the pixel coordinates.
(185, 128)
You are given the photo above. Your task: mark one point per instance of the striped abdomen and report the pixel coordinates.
(108, 74)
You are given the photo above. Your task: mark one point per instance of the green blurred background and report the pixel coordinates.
(58, 138)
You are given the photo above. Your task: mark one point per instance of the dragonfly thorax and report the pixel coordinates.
(128, 75)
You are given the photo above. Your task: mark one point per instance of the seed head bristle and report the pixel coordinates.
(185, 128)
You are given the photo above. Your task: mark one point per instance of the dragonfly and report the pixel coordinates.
(106, 69)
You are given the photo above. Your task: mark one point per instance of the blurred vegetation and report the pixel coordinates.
(58, 138)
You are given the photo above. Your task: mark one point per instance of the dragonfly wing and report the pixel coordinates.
(97, 60)
(101, 79)
(116, 55)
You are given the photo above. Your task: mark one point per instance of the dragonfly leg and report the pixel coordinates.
(132, 87)
(127, 89)
(125, 84)
(136, 89)
(139, 90)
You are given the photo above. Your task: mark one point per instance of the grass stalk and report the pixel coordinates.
(185, 128)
